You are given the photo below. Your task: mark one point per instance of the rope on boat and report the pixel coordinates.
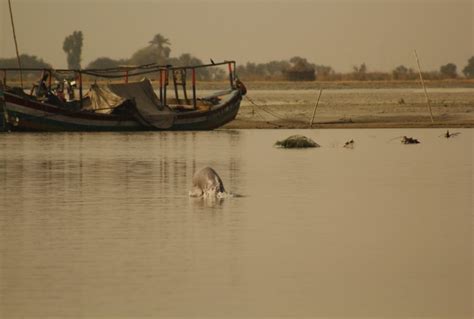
(265, 108)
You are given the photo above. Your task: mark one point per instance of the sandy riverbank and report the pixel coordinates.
(384, 107)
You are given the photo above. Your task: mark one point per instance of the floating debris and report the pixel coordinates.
(349, 144)
(409, 140)
(401, 101)
(297, 141)
(448, 135)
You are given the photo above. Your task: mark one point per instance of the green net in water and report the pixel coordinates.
(297, 141)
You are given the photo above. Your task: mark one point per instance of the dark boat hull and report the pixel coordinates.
(29, 115)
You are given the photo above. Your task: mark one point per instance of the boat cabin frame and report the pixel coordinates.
(178, 75)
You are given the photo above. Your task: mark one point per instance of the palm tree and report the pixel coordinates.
(72, 45)
(157, 51)
(469, 69)
(162, 44)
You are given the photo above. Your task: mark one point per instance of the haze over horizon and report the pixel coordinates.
(338, 33)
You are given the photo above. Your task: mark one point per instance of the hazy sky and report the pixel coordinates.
(339, 33)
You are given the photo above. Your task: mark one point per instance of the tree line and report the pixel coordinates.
(158, 50)
(298, 68)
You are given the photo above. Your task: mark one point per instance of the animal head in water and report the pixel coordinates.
(206, 182)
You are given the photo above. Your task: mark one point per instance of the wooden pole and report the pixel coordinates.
(81, 100)
(165, 84)
(183, 80)
(231, 77)
(424, 87)
(175, 84)
(161, 88)
(194, 87)
(315, 107)
(16, 43)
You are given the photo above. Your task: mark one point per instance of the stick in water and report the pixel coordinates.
(315, 107)
(424, 87)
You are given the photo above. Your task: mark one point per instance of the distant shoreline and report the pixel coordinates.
(297, 85)
(417, 122)
(307, 85)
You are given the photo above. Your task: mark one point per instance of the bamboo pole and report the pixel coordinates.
(424, 87)
(315, 107)
(16, 43)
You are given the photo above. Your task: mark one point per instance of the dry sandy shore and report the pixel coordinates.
(366, 105)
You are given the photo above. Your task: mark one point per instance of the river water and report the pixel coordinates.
(101, 225)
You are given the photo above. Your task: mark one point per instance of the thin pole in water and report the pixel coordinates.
(424, 87)
(315, 107)
(16, 43)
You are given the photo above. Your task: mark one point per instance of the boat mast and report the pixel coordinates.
(16, 43)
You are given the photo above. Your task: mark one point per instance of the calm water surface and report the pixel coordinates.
(101, 226)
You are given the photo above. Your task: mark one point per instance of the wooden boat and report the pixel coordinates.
(128, 106)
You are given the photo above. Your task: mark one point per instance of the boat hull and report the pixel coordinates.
(32, 116)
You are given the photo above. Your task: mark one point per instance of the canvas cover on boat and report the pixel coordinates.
(150, 111)
(102, 100)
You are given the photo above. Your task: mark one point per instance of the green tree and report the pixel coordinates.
(401, 72)
(217, 74)
(360, 72)
(157, 51)
(301, 64)
(106, 63)
(449, 70)
(324, 72)
(469, 69)
(301, 70)
(187, 59)
(297, 68)
(162, 44)
(27, 61)
(146, 55)
(276, 69)
(72, 45)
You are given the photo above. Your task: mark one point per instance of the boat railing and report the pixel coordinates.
(177, 73)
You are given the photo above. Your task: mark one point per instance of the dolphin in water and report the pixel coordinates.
(207, 183)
